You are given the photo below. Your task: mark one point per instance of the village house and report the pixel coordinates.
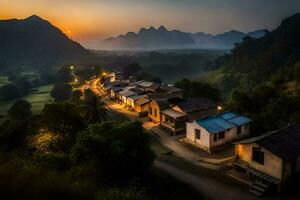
(124, 95)
(174, 118)
(142, 106)
(171, 90)
(213, 132)
(272, 159)
(113, 91)
(155, 106)
(131, 100)
(147, 86)
(159, 102)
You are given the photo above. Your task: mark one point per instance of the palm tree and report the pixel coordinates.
(93, 109)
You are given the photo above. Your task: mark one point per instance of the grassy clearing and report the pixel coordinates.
(212, 77)
(38, 98)
(3, 80)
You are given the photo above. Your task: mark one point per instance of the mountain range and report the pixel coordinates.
(36, 42)
(161, 38)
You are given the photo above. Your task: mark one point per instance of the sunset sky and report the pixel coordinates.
(90, 21)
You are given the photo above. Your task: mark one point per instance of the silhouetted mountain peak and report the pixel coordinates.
(34, 18)
(41, 43)
(152, 28)
(293, 20)
(162, 28)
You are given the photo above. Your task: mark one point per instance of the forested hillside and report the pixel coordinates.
(260, 78)
(254, 61)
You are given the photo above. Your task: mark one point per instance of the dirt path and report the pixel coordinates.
(206, 186)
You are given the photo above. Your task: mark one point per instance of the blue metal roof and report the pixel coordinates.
(222, 122)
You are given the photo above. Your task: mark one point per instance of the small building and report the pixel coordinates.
(132, 99)
(142, 106)
(170, 89)
(272, 158)
(182, 110)
(113, 91)
(215, 131)
(173, 121)
(155, 107)
(124, 95)
(147, 86)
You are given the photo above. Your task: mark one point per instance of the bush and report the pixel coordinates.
(118, 149)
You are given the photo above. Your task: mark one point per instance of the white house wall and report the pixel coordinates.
(205, 136)
(272, 164)
(207, 139)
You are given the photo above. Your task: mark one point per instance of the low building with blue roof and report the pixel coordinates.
(211, 133)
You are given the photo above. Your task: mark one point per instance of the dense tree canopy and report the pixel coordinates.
(62, 118)
(119, 149)
(193, 89)
(61, 91)
(21, 110)
(131, 70)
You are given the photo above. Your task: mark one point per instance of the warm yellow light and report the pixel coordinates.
(220, 108)
(104, 74)
(72, 67)
(76, 80)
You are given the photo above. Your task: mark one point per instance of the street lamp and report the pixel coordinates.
(219, 108)
(71, 67)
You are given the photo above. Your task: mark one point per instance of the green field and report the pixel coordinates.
(3, 80)
(37, 99)
(212, 77)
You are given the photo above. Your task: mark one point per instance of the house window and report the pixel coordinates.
(155, 112)
(239, 130)
(221, 135)
(215, 137)
(258, 156)
(197, 134)
(246, 127)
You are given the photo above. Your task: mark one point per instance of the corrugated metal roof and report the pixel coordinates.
(222, 122)
(172, 113)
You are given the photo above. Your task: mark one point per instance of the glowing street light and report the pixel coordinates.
(71, 67)
(76, 80)
(219, 108)
(104, 73)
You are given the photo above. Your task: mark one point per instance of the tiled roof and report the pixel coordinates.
(222, 122)
(172, 113)
(142, 101)
(284, 143)
(192, 105)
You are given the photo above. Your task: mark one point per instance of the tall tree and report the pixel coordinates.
(92, 109)
(61, 91)
(20, 111)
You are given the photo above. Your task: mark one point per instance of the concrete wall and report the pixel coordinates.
(207, 139)
(154, 106)
(143, 108)
(190, 135)
(272, 164)
(230, 136)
